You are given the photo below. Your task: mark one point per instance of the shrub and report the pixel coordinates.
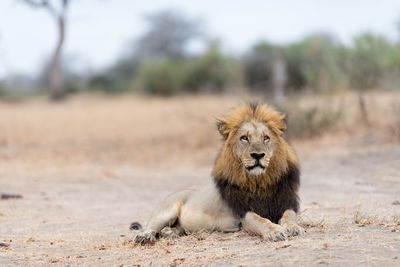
(164, 77)
(315, 63)
(210, 72)
(2, 90)
(257, 66)
(311, 121)
(371, 57)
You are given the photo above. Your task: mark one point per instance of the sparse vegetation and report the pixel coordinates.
(395, 126)
(311, 121)
(364, 219)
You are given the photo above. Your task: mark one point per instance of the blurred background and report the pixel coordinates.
(173, 47)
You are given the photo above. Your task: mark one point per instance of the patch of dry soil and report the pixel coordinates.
(79, 215)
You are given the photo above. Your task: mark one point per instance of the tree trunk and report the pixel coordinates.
(56, 77)
(278, 78)
(363, 109)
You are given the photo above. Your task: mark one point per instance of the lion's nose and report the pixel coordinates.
(257, 155)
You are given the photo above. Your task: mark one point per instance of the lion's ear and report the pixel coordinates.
(283, 123)
(222, 128)
(280, 123)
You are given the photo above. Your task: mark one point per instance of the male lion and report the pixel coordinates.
(256, 178)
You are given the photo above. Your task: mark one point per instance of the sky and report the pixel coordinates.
(100, 31)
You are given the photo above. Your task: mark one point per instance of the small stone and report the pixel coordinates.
(396, 202)
(135, 226)
(8, 195)
(4, 245)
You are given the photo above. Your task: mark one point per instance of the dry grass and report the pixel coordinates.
(90, 166)
(141, 131)
(365, 218)
(130, 130)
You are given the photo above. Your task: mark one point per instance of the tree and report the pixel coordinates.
(58, 12)
(257, 66)
(315, 63)
(369, 62)
(154, 57)
(266, 70)
(168, 36)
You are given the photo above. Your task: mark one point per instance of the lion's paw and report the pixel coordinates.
(293, 229)
(278, 233)
(145, 238)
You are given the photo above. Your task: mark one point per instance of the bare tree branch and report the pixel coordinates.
(46, 4)
(35, 4)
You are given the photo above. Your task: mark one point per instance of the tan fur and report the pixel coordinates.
(229, 166)
(254, 223)
(288, 222)
(203, 209)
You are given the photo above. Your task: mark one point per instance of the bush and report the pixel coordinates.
(311, 121)
(371, 57)
(210, 72)
(315, 63)
(118, 79)
(2, 91)
(163, 77)
(257, 66)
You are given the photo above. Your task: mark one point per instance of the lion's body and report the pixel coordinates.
(256, 178)
(205, 210)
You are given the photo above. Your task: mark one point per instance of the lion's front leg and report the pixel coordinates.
(163, 216)
(288, 221)
(256, 224)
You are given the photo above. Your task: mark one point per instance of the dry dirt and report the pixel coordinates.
(90, 166)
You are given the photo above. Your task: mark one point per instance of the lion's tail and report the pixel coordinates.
(135, 226)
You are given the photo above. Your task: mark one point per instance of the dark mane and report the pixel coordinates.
(269, 202)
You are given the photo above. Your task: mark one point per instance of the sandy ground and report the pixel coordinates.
(87, 169)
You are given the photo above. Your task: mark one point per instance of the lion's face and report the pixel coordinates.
(254, 152)
(253, 145)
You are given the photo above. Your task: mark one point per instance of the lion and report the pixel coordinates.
(255, 182)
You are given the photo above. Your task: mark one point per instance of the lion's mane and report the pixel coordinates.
(276, 190)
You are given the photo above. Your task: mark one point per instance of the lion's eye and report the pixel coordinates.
(266, 138)
(244, 138)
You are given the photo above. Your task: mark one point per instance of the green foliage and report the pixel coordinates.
(160, 63)
(371, 56)
(321, 64)
(210, 72)
(315, 63)
(2, 91)
(257, 66)
(161, 77)
(117, 79)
